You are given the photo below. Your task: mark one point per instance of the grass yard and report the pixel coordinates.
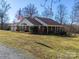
(43, 46)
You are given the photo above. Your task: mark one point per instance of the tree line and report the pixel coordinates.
(61, 12)
(61, 15)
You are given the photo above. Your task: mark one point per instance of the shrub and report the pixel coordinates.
(8, 28)
(63, 33)
(34, 29)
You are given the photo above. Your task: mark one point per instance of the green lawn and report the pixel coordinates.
(43, 46)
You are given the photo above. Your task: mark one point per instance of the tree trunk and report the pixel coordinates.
(1, 23)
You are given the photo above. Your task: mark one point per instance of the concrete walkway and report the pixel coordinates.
(11, 53)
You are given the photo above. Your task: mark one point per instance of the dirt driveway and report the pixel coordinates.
(11, 53)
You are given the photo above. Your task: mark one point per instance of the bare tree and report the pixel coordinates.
(30, 10)
(4, 7)
(61, 14)
(51, 3)
(48, 10)
(75, 11)
(72, 21)
(74, 17)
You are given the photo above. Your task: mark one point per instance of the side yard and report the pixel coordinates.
(43, 46)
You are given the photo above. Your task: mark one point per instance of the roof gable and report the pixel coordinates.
(32, 20)
(25, 21)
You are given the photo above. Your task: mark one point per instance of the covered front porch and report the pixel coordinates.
(55, 29)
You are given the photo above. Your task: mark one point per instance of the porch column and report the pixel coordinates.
(43, 28)
(29, 28)
(55, 29)
(38, 29)
(47, 29)
(21, 28)
(59, 29)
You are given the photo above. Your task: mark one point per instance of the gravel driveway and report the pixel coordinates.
(11, 53)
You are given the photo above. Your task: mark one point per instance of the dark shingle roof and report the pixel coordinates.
(33, 21)
(48, 21)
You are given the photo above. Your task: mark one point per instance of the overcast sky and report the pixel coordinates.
(16, 4)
